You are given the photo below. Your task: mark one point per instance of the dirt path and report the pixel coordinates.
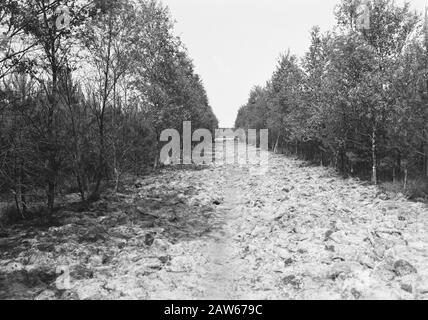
(296, 232)
(300, 232)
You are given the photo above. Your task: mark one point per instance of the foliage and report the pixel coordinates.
(83, 105)
(357, 100)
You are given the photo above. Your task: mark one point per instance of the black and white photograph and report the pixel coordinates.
(233, 151)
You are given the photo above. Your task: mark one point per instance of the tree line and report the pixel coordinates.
(86, 88)
(357, 100)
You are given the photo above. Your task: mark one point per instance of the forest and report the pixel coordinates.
(86, 88)
(357, 100)
(92, 93)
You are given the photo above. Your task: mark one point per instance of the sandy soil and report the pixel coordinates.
(219, 232)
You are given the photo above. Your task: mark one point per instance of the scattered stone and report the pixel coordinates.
(330, 248)
(160, 244)
(278, 216)
(165, 259)
(149, 239)
(340, 270)
(403, 268)
(302, 251)
(96, 260)
(355, 293)
(168, 240)
(383, 196)
(282, 253)
(69, 295)
(46, 246)
(407, 287)
(288, 262)
(93, 234)
(46, 295)
(292, 281)
(328, 234)
(79, 272)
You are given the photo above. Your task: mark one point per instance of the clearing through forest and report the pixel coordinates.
(219, 232)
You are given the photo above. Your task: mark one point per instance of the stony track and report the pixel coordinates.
(220, 232)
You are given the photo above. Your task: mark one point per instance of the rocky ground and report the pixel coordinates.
(220, 232)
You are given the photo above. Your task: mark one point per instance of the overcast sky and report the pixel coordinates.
(235, 44)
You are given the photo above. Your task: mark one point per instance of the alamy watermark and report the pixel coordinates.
(200, 148)
(362, 20)
(63, 17)
(63, 281)
(62, 20)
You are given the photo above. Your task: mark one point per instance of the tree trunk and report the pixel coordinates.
(18, 207)
(374, 156)
(19, 190)
(51, 162)
(156, 163)
(336, 160)
(398, 164)
(80, 186)
(52, 146)
(116, 169)
(426, 81)
(117, 180)
(276, 144)
(405, 178)
(426, 159)
(101, 156)
(23, 191)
